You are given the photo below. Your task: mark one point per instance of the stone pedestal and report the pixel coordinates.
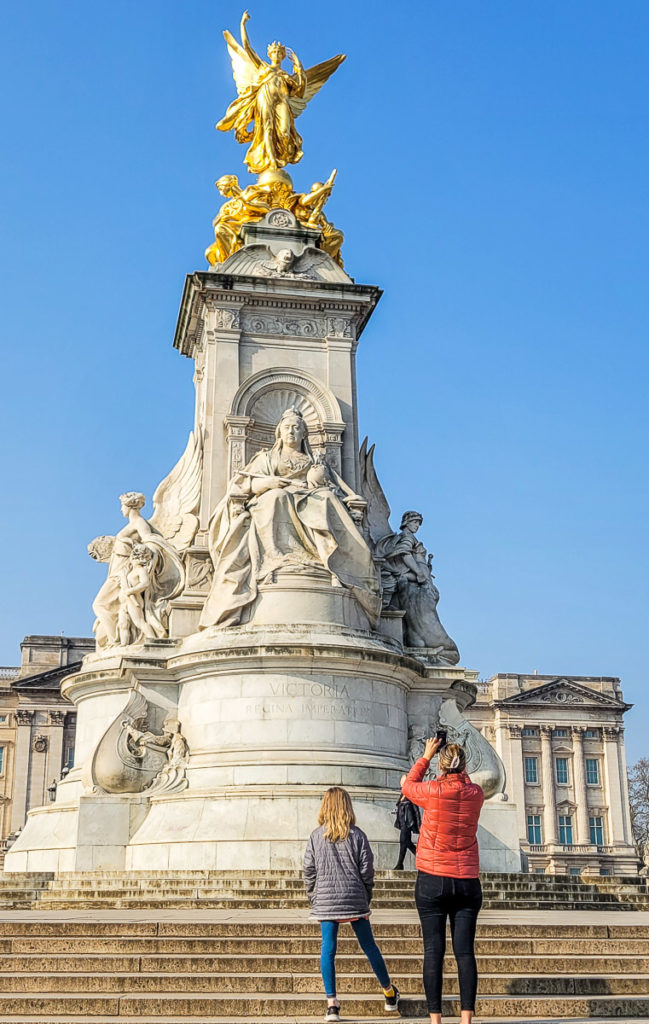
(273, 715)
(307, 690)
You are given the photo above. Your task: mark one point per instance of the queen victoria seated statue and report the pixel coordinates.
(286, 510)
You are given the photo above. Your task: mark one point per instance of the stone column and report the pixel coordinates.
(516, 774)
(55, 758)
(21, 767)
(341, 378)
(614, 789)
(628, 830)
(547, 778)
(581, 793)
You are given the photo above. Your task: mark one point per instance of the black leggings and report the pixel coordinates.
(405, 844)
(459, 899)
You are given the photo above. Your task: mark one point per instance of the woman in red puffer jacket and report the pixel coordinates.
(448, 871)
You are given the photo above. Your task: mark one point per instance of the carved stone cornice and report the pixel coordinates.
(24, 717)
(515, 731)
(56, 717)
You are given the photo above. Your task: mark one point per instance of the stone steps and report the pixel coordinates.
(305, 963)
(286, 1006)
(283, 890)
(174, 970)
(291, 981)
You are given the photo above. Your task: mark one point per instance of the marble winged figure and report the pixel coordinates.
(145, 559)
(406, 576)
(286, 510)
(269, 100)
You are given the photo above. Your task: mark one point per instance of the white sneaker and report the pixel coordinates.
(392, 1002)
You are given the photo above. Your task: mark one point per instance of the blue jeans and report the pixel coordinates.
(363, 932)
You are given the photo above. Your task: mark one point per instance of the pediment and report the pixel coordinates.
(564, 692)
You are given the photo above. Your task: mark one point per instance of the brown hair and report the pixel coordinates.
(452, 758)
(336, 814)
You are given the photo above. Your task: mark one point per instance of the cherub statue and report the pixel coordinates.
(137, 618)
(145, 558)
(270, 99)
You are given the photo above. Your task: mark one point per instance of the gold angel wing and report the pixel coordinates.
(176, 498)
(315, 79)
(245, 65)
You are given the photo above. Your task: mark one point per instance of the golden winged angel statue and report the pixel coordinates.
(270, 99)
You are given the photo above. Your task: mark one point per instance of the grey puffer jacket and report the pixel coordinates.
(339, 877)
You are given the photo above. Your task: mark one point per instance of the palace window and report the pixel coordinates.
(562, 771)
(528, 730)
(596, 824)
(2, 759)
(560, 732)
(531, 770)
(592, 771)
(3, 718)
(565, 829)
(575, 871)
(591, 734)
(69, 758)
(534, 829)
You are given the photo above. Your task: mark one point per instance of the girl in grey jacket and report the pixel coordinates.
(339, 878)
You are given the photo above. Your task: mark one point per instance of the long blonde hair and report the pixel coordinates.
(336, 814)
(452, 758)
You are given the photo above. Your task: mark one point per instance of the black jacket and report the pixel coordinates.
(408, 815)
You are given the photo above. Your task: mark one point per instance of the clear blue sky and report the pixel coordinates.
(493, 162)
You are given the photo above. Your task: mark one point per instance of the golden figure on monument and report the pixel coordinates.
(263, 114)
(270, 99)
(249, 205)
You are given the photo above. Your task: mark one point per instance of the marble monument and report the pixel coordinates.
(264, 633)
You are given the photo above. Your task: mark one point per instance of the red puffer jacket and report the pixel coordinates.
(447, 839)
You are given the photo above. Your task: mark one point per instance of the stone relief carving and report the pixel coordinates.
(56, 717)
(561, 697)
(482, 762)
(339, 327)
(129, 758)
(199, 572)
(308, 263)
(227, 319)
(298, 327)
(286, 510)
(405, 566)
(145, 559)
(24, 717)
(40, 744)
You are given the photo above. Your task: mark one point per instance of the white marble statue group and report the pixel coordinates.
(287, 510)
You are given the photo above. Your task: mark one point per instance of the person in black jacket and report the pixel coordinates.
(408, 820)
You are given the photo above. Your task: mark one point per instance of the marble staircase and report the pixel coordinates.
(259, 968)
